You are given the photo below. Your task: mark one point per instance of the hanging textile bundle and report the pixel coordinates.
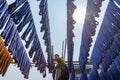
(111, 54)
(108, 47)
(84, 76)
(3, 10)
(72, 74)
(38, 58)
(92, 11)
(105, 45)
(70, 26)
(117, 63)
(13, 41)
(21, 13)
(23, 17)
(94, 75)
(105, 76)
(5, 58)
(114, 71)
(46, 28)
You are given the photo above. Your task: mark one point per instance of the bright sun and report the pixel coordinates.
(79, 14)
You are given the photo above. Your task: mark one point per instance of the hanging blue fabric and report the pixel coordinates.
(72, 74)
(83, 76)
(27, 31)
(7, 28)
(27, 18)
(38, 58)
(105, 41)
(117, 62)
(94, 75)
(70, 26)
(44, 74)
(3, 7)
(4, 19)
(109, 31)
(92, 11)
(22, 16)
(11, 36)
(53, 74)
(114, 71)
(107, 44)
(40, 61)
(12, 45)
(30, 38)
(33, 46)
(15, 5)
(111, 54)
(19, 52)
(105, 76)
(18, 14)
(46, 28)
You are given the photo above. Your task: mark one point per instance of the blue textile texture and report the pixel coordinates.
(12, 40)
(90, 24)
(43, 6)
(22, 16)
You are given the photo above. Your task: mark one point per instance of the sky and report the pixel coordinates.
(57, 18)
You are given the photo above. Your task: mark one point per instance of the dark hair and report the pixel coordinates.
(56, 55)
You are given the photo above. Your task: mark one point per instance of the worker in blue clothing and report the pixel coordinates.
(63, 68)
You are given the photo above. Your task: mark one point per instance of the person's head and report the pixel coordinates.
(56, 56)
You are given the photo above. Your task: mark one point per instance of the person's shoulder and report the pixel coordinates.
(59, 59)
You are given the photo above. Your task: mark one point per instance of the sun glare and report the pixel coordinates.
(79, 14)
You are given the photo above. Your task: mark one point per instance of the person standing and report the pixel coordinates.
(64, 73)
